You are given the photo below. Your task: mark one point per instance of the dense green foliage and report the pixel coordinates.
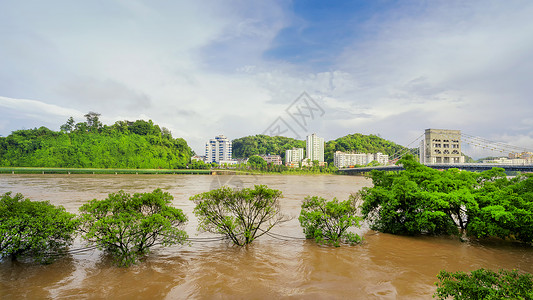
(264, 144)
(242, 215)
(363, 144)
(256, 161)
(424, 200)
(139, 144)
(31, 228)
(127, 226)
(484, 284)
(328, 221)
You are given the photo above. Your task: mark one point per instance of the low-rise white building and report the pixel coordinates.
(506, 161)
(294, 156)
(342, 159)
(272, 159)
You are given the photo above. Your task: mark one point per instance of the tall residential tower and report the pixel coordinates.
(314, 148)
(218, 150)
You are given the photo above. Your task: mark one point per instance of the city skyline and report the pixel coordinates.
(373, 67)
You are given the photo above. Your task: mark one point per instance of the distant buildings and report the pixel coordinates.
(293, 157)
(198, 158)
(218, 150)
(506, 161)
(343, 160)
(314, 151)
(274, 160)
(314, 148)
(527, 156)
(441, 146)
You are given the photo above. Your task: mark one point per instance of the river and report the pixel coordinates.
(383, 267)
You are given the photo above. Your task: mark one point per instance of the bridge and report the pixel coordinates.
(441, 149)
(465, 166)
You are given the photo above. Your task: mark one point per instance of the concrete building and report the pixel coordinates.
(441, 146)
(218, 150)
(527, 156)
(506, 161)
(197, 158)
(343, 160)
(314, 148)
(294, 156)
(274, 160)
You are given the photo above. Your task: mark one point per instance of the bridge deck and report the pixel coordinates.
(465, 166)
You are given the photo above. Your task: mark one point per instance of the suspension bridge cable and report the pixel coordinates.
(402, 152)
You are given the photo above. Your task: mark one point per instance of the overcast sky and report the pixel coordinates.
(203, 68)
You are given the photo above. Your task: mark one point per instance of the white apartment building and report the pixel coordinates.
(294, 156)
(274, 160)
(343, 160)
(314, 148)
(218, 150)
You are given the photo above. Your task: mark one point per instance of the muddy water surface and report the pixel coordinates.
(384, 267)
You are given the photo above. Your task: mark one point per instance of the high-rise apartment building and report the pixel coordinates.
(218, 150)
(314, 148)
(441, 146)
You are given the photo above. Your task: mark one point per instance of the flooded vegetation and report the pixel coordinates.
(282, 265)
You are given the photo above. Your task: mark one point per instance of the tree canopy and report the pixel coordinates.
(137, 145)
(328, 221)
(264, 144)
(126, 226)
(32, 228)
(242, 215)
(423, 200)
(484, 284)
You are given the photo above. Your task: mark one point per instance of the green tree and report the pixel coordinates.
(127, 226)
(68, 126)
(328, 221)
(241, 215)
(38, 230)
(257, 162)
(422, 200)
(93, 121)
(484, 284)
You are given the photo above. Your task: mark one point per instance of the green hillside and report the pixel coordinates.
(276, 145)
(140, 144)
(363, 144)
(263, 144)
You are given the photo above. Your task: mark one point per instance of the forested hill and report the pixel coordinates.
(276, 145)
(363, 144)
(139, 144)
(263, 144)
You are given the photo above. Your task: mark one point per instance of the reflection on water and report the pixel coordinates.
(384, 267)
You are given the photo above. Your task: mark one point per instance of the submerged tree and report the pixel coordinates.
(34, 229)
(328, 221)
(241, 215)
(127, 226)
(484, 284)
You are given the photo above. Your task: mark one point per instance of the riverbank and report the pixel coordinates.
(38, 170)
(33, 170)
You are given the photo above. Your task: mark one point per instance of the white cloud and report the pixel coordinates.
(199, 69)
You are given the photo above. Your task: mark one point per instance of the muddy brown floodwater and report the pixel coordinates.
(383, 267)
